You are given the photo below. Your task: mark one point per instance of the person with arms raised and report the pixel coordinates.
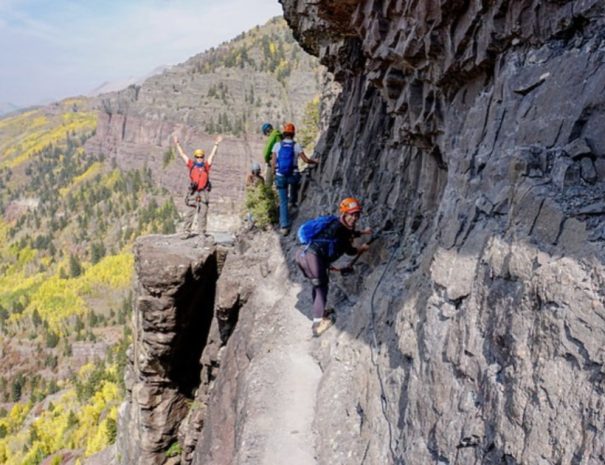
(197, 198)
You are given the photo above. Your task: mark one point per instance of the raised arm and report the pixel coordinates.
(180, 149)
(214, 149)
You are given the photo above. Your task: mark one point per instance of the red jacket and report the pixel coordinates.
(199, 175)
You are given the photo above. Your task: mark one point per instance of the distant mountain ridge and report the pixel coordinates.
(261, 75)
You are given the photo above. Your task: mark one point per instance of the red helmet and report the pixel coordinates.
(350, 205)
(289, 127)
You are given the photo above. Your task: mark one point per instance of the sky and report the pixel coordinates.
(52, 49)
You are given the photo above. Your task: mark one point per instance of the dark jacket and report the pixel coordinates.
(334, 241)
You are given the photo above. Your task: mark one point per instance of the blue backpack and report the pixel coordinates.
(310, 229)
(286, 158)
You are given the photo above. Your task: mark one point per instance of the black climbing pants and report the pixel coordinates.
(316, 269)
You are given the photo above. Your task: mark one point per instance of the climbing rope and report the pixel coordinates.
(373, 346)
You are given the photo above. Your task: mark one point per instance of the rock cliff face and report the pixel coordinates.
(473, 132)
(175, 291)
(472, 332)
(188, 296)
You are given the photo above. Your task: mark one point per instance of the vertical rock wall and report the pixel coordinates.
(473, 132)
(174, 299)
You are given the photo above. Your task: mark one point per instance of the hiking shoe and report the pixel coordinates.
(284, 231)
(320, 327)
(330, 313)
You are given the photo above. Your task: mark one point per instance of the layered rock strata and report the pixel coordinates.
(134, 141)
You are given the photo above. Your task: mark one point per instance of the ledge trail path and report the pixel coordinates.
(284, 376)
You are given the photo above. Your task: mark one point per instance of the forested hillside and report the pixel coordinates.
(69, 220)
(261, 75)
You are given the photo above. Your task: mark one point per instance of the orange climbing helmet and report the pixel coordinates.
(289, 127)
(350, 205)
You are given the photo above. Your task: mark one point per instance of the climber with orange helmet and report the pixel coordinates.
(287, 177)
(273, 137)
(324, 240)
(197, 197)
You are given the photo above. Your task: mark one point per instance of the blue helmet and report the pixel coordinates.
(266, 128)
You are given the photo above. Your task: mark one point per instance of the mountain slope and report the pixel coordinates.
(262, 75)
(68, 221)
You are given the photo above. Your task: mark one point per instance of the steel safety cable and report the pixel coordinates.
(373, 346)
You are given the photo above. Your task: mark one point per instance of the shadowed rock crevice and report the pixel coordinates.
(194, 304)
(228, 320)
(242, 275)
